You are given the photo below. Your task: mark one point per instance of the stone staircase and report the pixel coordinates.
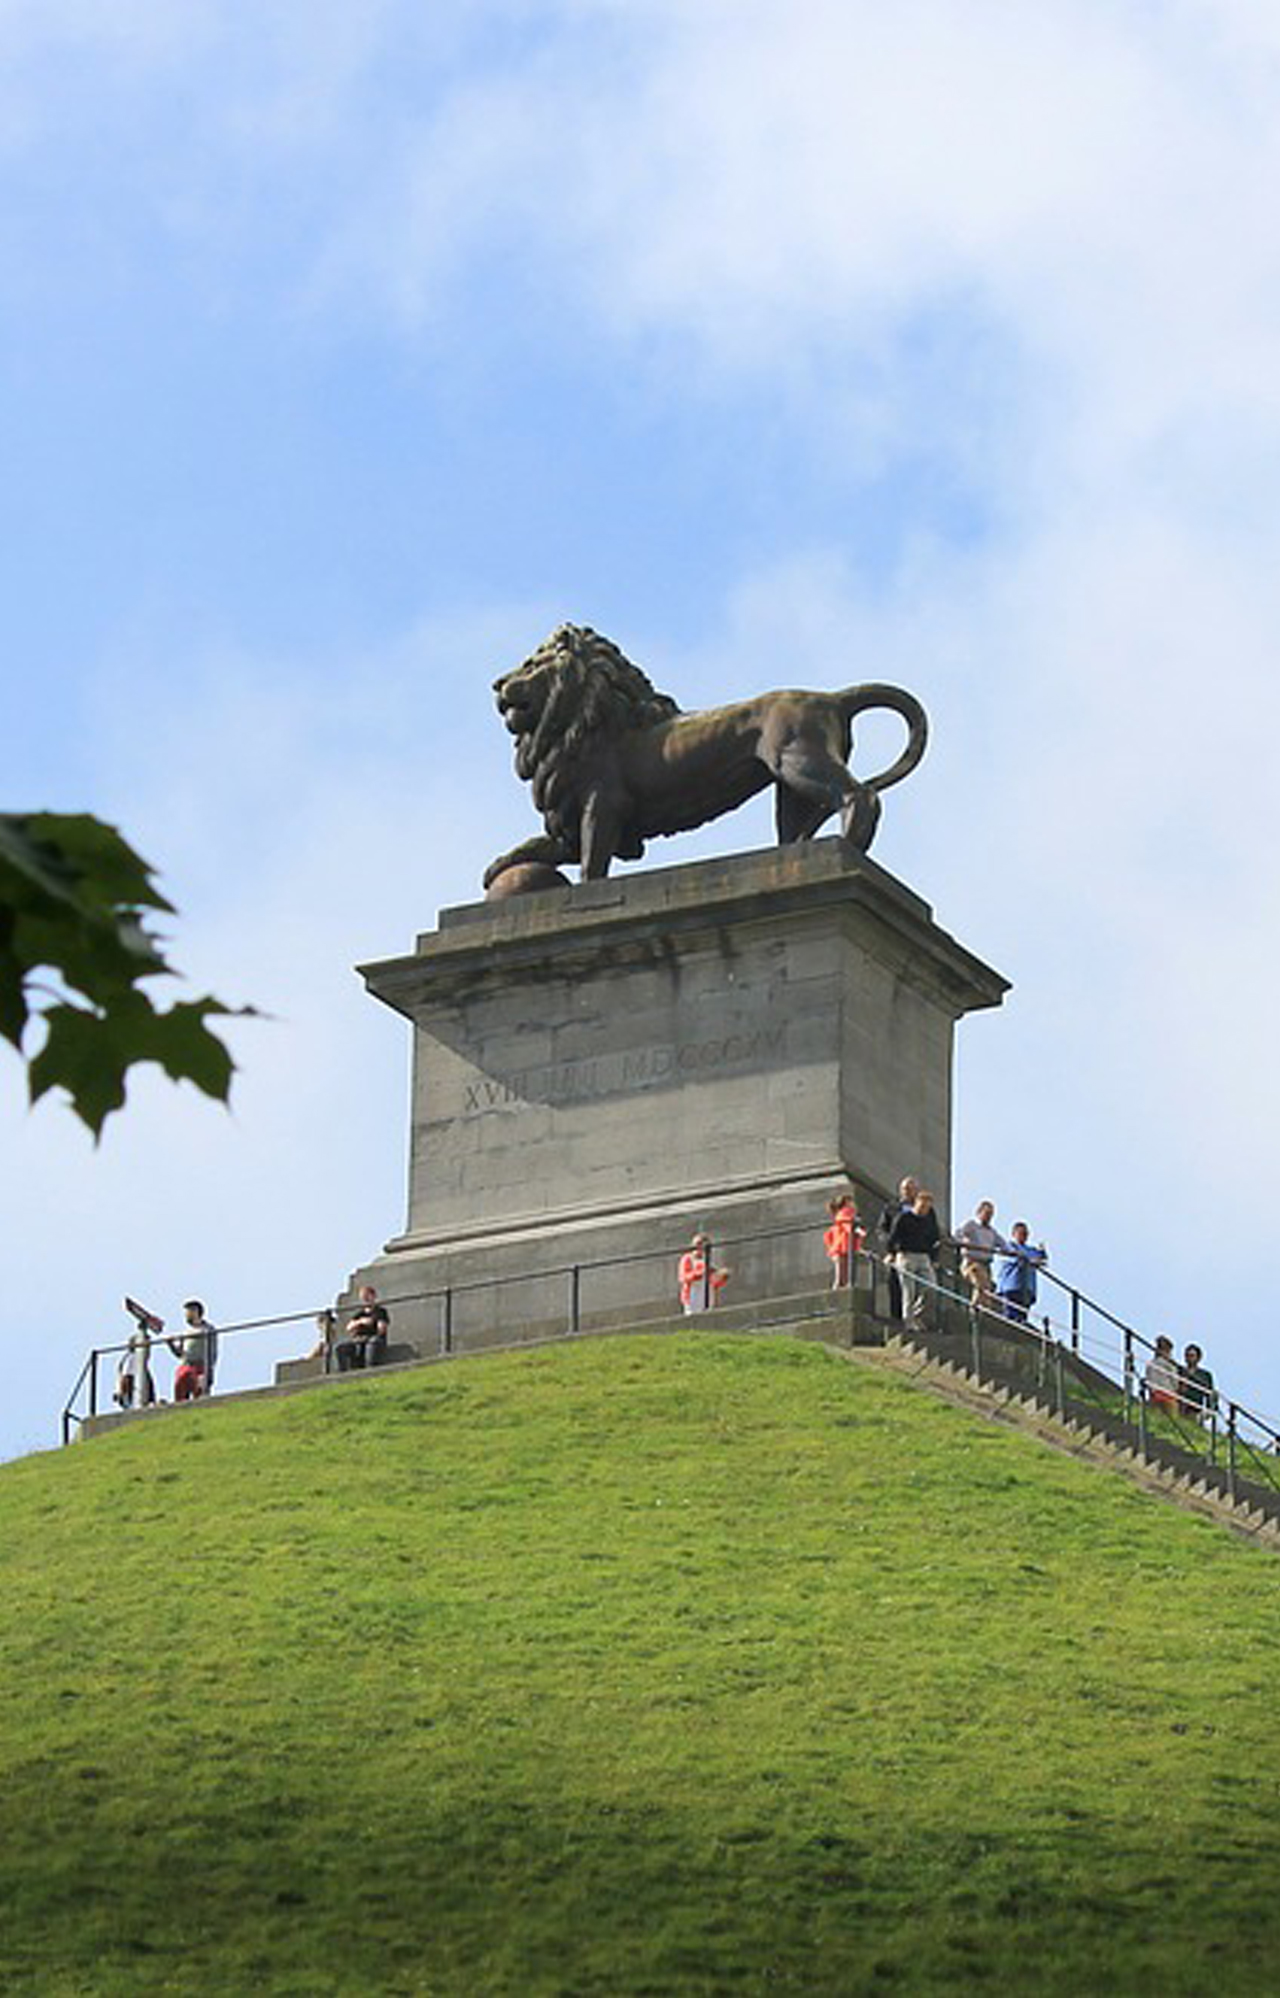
(1059, 1396)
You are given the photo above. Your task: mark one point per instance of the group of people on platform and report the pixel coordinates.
(364, 1339)
(195, 1349)
(363, 1343)
(1000, 1272)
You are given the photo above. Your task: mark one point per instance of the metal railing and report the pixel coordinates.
(558, 1302)
(87, 1396)
(1080, 1370)
(1084, 1355)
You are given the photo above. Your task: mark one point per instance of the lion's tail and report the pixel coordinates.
(875, 694)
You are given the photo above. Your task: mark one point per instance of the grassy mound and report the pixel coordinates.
(636, 1666)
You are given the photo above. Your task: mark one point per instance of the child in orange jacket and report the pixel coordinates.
(842, 1239)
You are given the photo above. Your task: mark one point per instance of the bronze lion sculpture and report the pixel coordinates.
(612, 762)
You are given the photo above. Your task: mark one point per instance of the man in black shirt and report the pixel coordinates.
(907, 1191)
(365, 1344)
(913, 1243)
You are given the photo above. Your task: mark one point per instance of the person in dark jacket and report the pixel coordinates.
(914, 1238)
(1198, 1393)
(907, 1191)
(365, 1341)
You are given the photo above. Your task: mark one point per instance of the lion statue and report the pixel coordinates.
(613, 763)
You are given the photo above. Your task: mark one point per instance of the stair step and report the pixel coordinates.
(1169, 1466)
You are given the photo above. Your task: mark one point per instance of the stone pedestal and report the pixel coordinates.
(601, 1069)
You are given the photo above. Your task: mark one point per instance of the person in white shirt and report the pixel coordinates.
(1161, 1377)
(978, 1242)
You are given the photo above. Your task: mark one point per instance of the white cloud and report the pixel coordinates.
(1075, 201)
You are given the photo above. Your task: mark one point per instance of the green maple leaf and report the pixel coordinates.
(73, 894)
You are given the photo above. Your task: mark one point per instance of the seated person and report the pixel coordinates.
(1199, 1395)
(327, 1330)
(365, 1343)
(1161, 1377)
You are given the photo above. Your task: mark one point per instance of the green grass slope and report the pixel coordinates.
(694, 1664)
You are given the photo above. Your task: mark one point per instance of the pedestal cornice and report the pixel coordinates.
(482, 942)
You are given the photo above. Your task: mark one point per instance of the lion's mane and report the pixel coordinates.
(591, 690)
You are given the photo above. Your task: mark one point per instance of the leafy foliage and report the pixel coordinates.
(73, 895)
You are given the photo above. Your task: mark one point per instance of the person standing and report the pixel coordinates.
(842, 1238)
(698, 1282)
(907, 1191)
(196, 1351)
(135, 1387)
(914, 1239)
(977, 1242)
(1016, 1272)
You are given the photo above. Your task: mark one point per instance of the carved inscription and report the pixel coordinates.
(565, 1082)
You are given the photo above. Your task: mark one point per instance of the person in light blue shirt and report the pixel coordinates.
(1016, 1272)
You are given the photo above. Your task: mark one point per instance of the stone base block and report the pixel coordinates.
(602, 1070)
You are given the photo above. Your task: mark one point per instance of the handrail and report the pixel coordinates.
(69, 1410)
(1189, 1434)
(1079, 1343)
(1073, 1290)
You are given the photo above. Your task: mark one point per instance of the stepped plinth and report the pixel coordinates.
(600, 1069)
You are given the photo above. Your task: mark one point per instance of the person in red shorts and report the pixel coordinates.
(195, 1351)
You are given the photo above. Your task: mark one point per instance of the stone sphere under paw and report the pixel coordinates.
(526, 877)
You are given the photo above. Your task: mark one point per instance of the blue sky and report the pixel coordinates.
(345, 349)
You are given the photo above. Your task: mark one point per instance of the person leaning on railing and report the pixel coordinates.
(977, 1242)
(1016, 1272)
